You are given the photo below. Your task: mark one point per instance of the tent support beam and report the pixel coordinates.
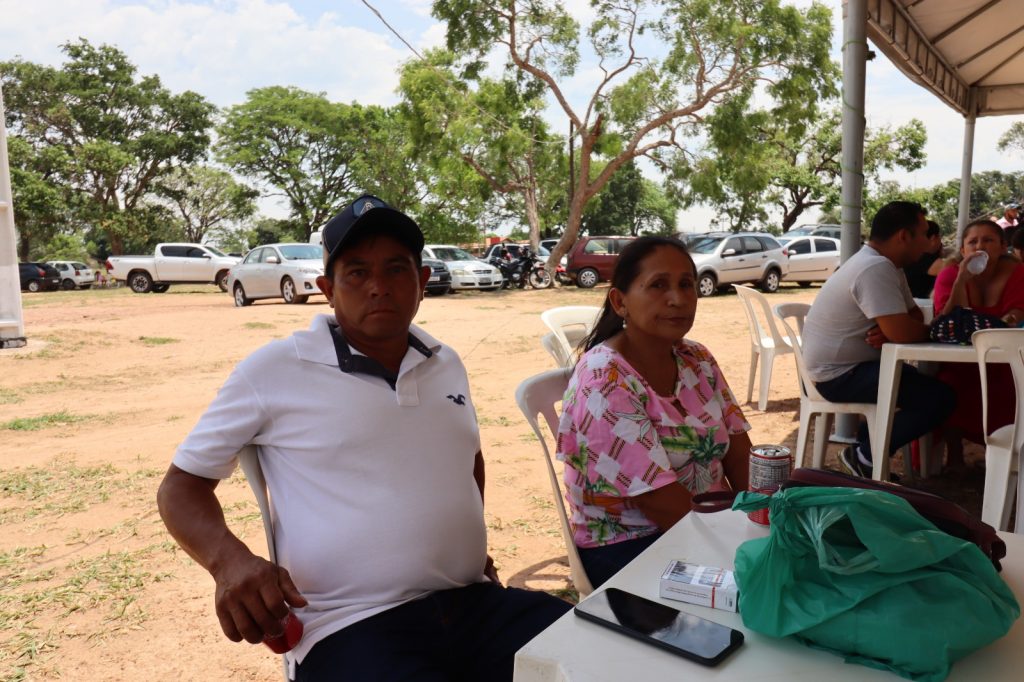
(965, 177)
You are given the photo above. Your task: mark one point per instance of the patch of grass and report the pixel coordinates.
(157, 340)
(489, 421)
(9, 397)
(258, 325)
(45, 421)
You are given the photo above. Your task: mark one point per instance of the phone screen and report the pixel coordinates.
(691, 636)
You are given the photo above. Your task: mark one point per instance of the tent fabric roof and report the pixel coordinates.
(970, 53)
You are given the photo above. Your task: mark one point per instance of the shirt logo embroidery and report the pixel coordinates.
(458, 400)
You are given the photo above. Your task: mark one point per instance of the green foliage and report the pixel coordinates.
(101, 136)
(1013, 139)
(630, 204)
(207, 201)
(299, 144)
(68, 247)
(62, 418)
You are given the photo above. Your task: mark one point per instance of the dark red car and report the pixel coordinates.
(592, 259)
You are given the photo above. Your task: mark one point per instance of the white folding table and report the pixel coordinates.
(572, 649)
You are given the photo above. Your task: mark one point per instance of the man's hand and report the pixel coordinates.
(252, 597)
(491, 572)
(876, 337)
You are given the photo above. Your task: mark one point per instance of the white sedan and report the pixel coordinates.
(811, 258)
(467, 271)
(287, 271)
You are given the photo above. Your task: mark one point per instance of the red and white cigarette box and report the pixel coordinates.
(701, 585)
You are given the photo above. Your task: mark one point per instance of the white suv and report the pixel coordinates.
(736, 258)
(467, 271)
(73, 274)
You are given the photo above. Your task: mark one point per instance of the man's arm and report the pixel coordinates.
(478, 473)
(902, 328)
(251, 592)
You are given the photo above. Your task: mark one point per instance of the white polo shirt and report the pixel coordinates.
(374, 498)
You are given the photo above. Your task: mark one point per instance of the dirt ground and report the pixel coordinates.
(91, 585)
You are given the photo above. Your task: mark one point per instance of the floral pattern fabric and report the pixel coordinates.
(619, 438)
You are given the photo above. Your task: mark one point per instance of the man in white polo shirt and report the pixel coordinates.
(865, 304)
(369, 442)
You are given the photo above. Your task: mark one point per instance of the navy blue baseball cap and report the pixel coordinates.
(365, 214)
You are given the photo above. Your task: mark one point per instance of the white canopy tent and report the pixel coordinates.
(968, 53)
(12, 328)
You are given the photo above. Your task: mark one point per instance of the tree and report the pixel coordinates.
(1013, 139)
(118, 133)
(793, 170)
(42, 204)
(206, 200)
(707, 52)
(300, 145)
(629, 204)
(496, 130)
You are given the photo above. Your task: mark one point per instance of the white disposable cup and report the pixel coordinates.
(978, 263)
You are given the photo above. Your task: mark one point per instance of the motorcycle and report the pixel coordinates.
(523, 270)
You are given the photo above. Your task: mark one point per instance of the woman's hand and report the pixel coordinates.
(1014, 317)
(964, 273)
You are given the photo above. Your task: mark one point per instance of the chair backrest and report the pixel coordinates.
(570, 324)
(797, 312)
(249, 460)
(1011, 343)
(754, 302)
(539, 395)
(553, 346)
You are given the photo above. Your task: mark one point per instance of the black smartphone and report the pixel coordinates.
(681, 633)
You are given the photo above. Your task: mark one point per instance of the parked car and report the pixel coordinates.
(172, 264)
(440, 281)
(592, 259)
(829, 230)
(811, 259)
(467, 271)
(38, 277)
(736, 258)
(286, 271)
(73, 274)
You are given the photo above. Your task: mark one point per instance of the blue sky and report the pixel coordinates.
(222, 48)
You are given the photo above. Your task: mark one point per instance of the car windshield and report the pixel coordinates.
(704, 244)
(784, 240)
(450, 253)
(301, 252)
(214, 251)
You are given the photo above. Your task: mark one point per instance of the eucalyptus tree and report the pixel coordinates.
(661, 68)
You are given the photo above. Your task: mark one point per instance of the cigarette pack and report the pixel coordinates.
(701, 585)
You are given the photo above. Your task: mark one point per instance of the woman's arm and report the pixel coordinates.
(737, 461)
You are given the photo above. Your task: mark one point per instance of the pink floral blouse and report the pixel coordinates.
(618, 438)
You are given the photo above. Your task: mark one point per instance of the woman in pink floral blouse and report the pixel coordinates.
(648, 419)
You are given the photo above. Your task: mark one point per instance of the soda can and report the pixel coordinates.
(769, 468)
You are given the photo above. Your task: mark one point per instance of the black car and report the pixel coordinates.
(440, 278)
(38, 277)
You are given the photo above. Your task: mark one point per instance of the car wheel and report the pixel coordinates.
(770, 283)
(804, 285)
(222, 280)
(140, 282)
(67, 284)
(587, 278)
(33, 285)
(290, 294)
(159, 288)
(707, 285)
(241, 300)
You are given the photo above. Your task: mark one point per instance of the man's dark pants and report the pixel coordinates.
(468, 633)
(924, 402)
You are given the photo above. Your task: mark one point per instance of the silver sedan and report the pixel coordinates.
(287, 271)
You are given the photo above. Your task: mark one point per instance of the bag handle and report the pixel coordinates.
(719, 500)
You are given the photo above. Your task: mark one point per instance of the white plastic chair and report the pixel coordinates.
(570, 324)
(813, 403)
(1005, 446)
(765, 342)
(539, 395)
(553, 345)
(249, 461)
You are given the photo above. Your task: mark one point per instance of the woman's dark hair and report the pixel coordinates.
(627, 269)
(1017, 240)
(983, 222)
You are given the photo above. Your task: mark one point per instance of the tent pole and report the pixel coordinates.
(855, 49)
(965, 176)
(12, 326)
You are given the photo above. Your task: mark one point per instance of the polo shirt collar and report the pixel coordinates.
(315, 344)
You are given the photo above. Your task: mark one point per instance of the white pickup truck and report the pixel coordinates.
(172, 264)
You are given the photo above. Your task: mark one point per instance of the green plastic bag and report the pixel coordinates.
(862, 574)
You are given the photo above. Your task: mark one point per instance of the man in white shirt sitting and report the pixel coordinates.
(865, 304)
(369, 442)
